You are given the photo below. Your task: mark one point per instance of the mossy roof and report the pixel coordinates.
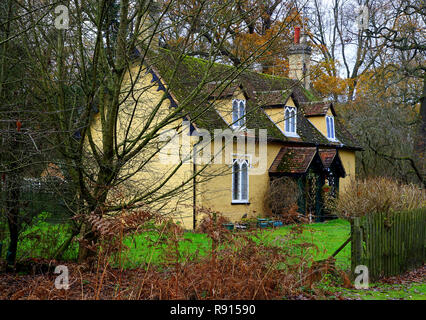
(196, 83)
(317, 108)
(293, 160)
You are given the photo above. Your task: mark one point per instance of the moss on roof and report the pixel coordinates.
(184, 76)
(309, 94)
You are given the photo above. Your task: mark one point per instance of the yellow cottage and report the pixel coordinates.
(285, 132)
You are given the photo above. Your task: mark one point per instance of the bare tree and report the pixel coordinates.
(375, 51)
(405, 35)
(88, 78)
(21, 130)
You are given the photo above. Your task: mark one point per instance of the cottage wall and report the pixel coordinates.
(146, 95)
(277, 114)
(216, 193)
(224, 106)
(348, 160)
(320, 123)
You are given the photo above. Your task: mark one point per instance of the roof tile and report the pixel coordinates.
(317, 108)
(293, 160)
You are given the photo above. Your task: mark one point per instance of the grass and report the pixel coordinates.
(146, 248)
(378, 291)
(327, 236)
(41, 240)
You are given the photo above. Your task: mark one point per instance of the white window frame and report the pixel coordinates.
(241, 119)
(240, 162)
(331, 131)
(289, 120)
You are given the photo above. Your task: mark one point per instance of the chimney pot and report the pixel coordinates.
(296, 35)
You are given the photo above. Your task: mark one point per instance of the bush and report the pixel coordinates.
(282, 195)
(236, 266)
(375, 195)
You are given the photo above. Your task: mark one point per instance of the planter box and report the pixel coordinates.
(277, 224)
(229, 226)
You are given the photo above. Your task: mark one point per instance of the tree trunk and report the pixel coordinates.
(86, 250)
(13, 245)
(64, 246)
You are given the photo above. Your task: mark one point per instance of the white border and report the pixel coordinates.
(241, 158)
(289, 133)
(233, 125)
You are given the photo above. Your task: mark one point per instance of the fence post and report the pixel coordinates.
(356, 247)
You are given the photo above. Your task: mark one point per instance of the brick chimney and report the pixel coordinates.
(146, 30)
(299, 56)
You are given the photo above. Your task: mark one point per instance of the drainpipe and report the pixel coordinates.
(194, 197)
(194, 184)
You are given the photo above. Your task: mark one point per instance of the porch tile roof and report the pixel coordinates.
(293, 160)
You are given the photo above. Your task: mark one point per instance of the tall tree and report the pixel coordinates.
(90, 74)
(256, 24)
(21, 128)
(404, 34)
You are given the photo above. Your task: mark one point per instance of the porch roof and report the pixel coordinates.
(293, 160)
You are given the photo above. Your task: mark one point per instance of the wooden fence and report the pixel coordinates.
(389, 244)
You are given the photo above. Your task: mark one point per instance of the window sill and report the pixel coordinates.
(239, 202)
(291, 135)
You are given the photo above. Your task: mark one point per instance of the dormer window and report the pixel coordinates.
(238, 113)
(290, 121)
(330, 128)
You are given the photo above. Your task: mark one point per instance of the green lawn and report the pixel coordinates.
(147, 248)
(41, 240)
(327, 236)
(411, 291)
